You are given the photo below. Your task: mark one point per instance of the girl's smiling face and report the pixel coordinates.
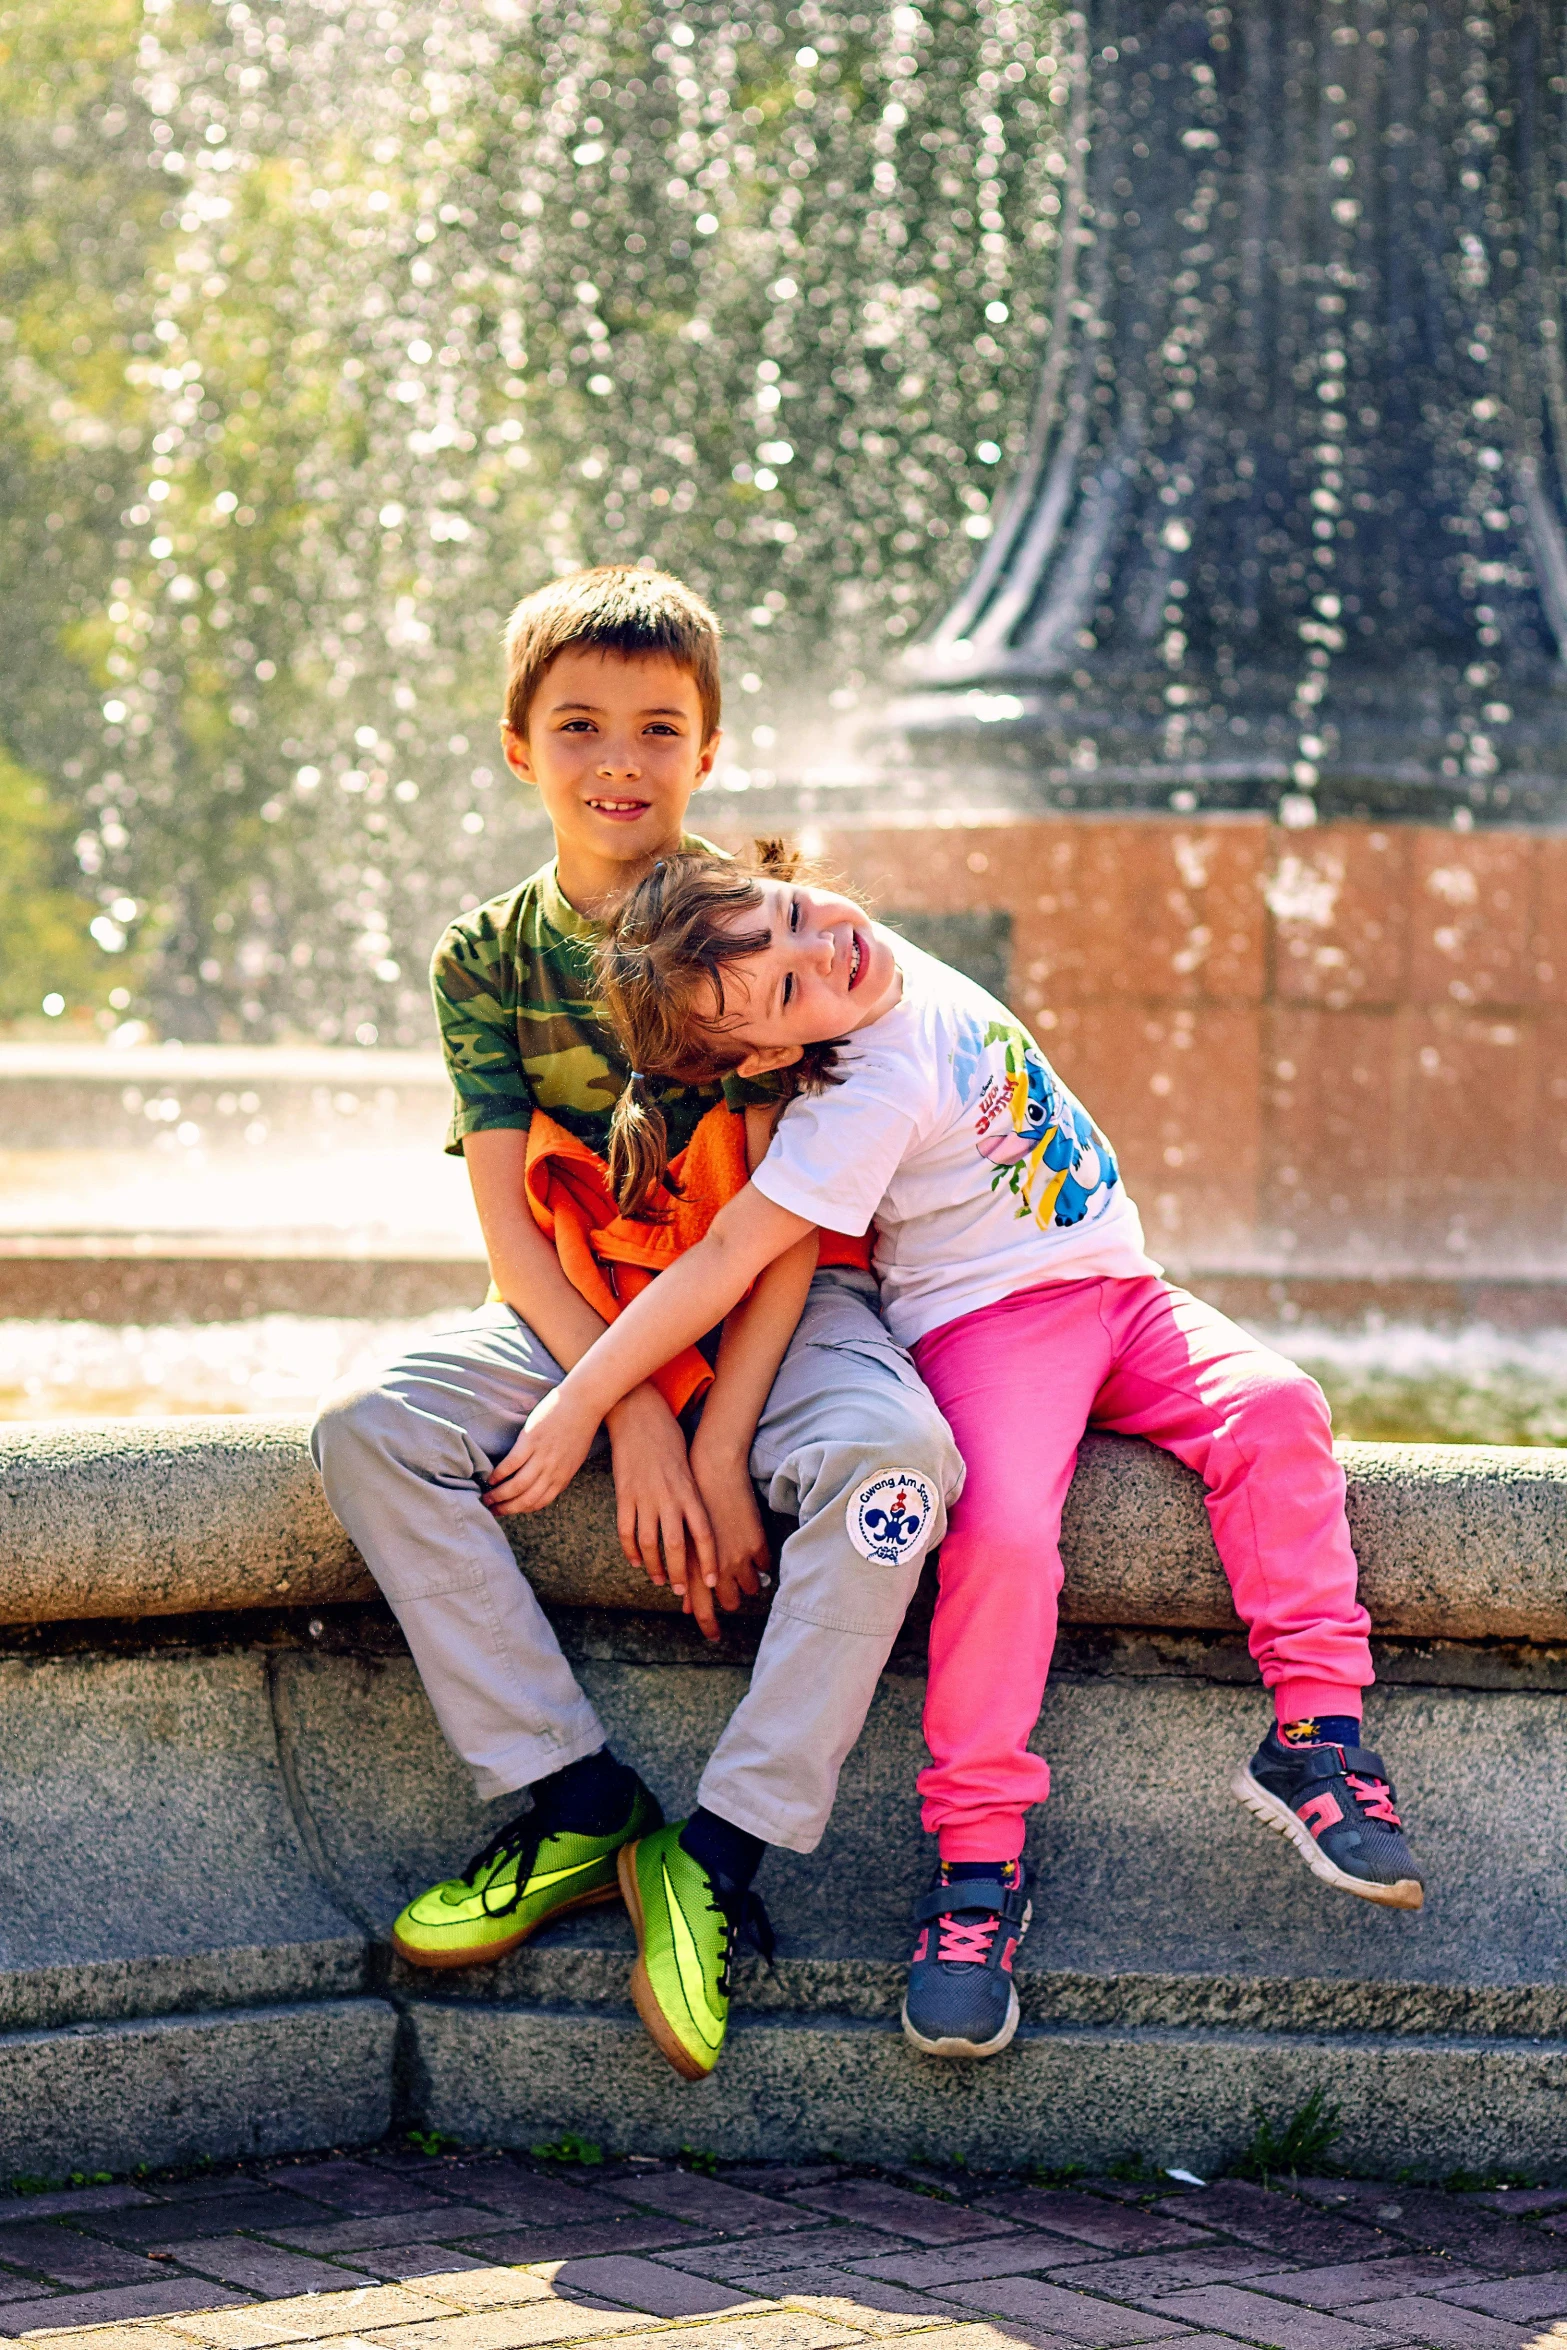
(824, 972)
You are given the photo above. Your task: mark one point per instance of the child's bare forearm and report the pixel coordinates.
(523, 1262)
(697, 1293)
(755, 1340)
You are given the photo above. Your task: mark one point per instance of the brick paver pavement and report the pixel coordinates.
(396, 2250)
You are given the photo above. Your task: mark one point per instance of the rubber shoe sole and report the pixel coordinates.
(1275, 1813)
(975, 2048)
(437, 1960)
(654, 2021)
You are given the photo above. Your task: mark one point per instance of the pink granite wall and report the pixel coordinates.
(1343, 1049)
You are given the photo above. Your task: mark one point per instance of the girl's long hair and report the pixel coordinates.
(661, 978)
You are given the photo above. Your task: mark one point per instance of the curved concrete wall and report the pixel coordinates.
(133, 1518)
(1181, 1964)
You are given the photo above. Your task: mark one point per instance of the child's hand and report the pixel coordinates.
(658, 1510)
(554, 1443)
(724, 1481)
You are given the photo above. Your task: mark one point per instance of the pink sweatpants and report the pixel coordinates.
(1019, 1381)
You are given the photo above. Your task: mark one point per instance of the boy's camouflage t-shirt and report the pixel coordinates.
(513, 987)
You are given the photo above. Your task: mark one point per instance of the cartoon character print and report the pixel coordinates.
(1041, 1142)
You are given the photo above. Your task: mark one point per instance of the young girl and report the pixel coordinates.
(1012, 1265)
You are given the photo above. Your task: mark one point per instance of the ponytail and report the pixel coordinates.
(639, 1151)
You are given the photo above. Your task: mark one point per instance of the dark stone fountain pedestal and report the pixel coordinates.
(1289, 530)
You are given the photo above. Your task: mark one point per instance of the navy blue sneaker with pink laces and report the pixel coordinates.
(961, 1999)
(1334, 1801)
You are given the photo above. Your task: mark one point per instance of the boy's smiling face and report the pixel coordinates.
(614, 747)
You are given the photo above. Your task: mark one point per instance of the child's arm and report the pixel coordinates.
(658, 1506)
(755, 1340)
(694, 1295)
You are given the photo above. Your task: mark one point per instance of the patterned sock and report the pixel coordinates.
(1320, 1730)
(730, 1855)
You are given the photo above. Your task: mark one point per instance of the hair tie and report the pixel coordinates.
(638, 1077)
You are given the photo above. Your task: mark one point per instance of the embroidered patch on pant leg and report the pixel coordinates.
(891, 1516)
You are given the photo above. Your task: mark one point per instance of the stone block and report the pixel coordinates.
(648, 2286)
(546, 2320)
(1081, 2319)
(1350, 2281)
(1454, 1541)
(1331, 1101)
(225, 1513)
(863, 2303)
(709, 2204)
(1278, 2226)
(1150, 2279)
(1472, 918)
(63, 2257)
(873, 2203)
(117, 2305)
(121, 1761)
(264, 2268)
(1256, 2318)
(1107, 2226)
(313, 2317)
(1096, 2096)
(1431, 2325)
(956, 2264)
(186, 2216)
(1338, 901)
(1176, 1091)
(775, 2329)
(1465, 1147)
(259, 2080)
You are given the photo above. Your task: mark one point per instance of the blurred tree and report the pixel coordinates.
(332, 331)
(46, 949)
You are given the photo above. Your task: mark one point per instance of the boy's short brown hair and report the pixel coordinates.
(616, 608)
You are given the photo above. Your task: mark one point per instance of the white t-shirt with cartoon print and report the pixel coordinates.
(951, 1133)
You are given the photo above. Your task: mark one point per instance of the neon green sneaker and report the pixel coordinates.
(686, 1934)
(526, 1875)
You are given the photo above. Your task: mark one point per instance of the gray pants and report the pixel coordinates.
(850, 1444)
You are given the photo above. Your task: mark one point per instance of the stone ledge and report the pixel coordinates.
(126, 1518)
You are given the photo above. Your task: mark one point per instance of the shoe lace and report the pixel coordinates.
(745, 1920)
(966, 1940)
(519, 1840)
(1375, 1798)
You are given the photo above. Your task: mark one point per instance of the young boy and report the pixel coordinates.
(612, 710)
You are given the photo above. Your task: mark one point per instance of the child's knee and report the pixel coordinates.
(358, 1423)
(1284, 1403)
(912, 1433)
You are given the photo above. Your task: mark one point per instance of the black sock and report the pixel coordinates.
(1319, 1730)
(730, 1855)
(591, 1796)
(964, 1872)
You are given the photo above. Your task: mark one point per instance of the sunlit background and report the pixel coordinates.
(328, 331)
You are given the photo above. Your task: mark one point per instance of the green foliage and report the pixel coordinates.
(325, 334)
(699, 2159)
(1134, 2170)
(29, 2182)
(569, 2149)
(1300, 2144)
(432, 2142)
(45, 948)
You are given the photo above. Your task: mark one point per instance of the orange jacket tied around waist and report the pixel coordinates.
(609, 1258)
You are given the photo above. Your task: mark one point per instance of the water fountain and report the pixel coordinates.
(1334, 1040)
(1289, 532)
